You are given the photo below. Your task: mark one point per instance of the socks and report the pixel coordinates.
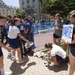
(2, 71)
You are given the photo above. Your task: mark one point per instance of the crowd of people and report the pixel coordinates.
(56, 52)
(18, 31)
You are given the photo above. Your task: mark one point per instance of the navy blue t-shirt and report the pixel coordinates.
(28, 26)
(21, 28)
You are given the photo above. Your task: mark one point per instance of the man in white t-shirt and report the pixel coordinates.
(57, 54)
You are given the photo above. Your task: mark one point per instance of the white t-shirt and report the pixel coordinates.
(57, 50)
(13, 32)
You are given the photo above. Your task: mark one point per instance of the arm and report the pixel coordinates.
(2, 45)
(23, 38)
(25, 31)
(73, 41)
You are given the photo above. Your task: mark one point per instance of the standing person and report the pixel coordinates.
(67, 22)
(30, 20)
(2, 23)
(22, 29)
(13, 41)
(72, 46)
(58, 24)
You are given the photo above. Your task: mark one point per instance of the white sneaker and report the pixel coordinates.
(11, 56)
(7, 73)
(28, 45)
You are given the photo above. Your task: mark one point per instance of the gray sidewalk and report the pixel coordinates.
(34, 65)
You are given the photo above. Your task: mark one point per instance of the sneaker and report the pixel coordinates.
(7, 73)
(11, 56)
(28, 45)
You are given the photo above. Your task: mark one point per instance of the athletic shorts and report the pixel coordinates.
(14, 43)
(1, 53)
(56, 36)
(60, 59)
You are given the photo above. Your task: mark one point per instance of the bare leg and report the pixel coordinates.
(19, 55)
(72, 64)
(59, 40)
(1, 62)
(55, 41)
(54, 60)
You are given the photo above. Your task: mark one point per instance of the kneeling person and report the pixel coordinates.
(57, 54)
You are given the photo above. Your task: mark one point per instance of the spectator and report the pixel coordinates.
(13, 33)
(72, 46)
(58, 24)
(2, 23)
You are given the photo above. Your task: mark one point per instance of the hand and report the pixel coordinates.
(67, 43)
(9, 49)
(27, 41)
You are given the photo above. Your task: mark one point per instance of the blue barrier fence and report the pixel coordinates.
(43, 26)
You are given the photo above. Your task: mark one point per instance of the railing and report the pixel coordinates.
(42, 28)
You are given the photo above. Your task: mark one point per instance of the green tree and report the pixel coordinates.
(54, 6)
(20, 11)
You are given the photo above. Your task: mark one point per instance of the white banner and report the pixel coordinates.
(67, 33)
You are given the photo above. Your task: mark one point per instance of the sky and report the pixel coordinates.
(12, 2)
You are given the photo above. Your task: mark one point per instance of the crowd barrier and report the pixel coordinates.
(44, 27)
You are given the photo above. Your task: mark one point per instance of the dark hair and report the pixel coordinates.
(48, 45)
(2, 17)
(19, 16)
(9, 16)
(14, 20)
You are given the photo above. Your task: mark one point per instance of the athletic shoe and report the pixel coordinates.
(7, 73)
(11, 56)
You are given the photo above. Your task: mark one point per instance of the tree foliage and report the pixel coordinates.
(20, 11)
(54, 6)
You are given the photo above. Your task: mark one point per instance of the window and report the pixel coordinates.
(22, 2)
(28, 6)
(33, 0)
(28, 1)
(33, 5)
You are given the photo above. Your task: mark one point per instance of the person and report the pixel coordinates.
(28, 35)
(2, 23)
(57, 54)
(58, 24)
(13, 41)
(21, 27)
(72, 46)
(65, 46)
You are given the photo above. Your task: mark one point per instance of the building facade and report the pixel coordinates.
(32, 7)
(6, 10)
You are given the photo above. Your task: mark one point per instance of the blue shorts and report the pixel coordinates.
(1, 53)
(60, 59)
(14, 43)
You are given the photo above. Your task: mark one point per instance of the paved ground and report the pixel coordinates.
(34, 65)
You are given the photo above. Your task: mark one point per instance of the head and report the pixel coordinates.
(15, 21)
(73, 11)
(72, 18)
(29, 18)
(19, 16)
(2, 20)
(48, 46)
(57, 16)
(25, 20)
(8, 17)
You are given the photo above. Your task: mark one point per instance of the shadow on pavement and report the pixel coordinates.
(16, 68)
(61, 67)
